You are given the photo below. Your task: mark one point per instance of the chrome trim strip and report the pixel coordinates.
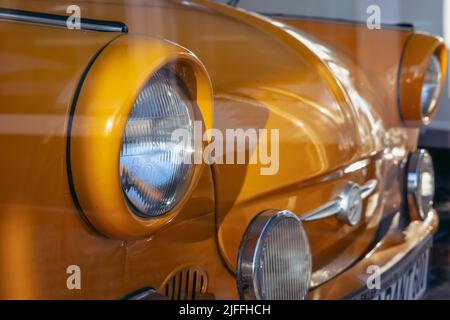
(336, 207)
(61, 20)
(332, 208)
(368, 188)
(328, 177)
(401, 26)
(356, 166)
(144, 294)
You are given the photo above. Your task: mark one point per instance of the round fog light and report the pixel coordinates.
(274, 260)
(421, 183)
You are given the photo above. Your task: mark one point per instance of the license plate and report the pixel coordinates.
(408, 281)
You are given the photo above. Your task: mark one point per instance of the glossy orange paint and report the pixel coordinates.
(42, 231)
(322, 85)
(38, 77)
(394, 247)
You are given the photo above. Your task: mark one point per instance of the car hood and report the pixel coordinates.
(269, 75)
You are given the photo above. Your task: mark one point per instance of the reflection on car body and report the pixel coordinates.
(98, 182)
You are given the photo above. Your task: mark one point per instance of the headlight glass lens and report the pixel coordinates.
(153, 171)
(276, 266)
(431, 85)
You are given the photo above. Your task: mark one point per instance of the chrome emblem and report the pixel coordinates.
(351, 205)
(348, 206)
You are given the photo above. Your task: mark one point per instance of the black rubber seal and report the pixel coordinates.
(69, 135)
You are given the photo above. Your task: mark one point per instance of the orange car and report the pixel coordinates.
(190, 150)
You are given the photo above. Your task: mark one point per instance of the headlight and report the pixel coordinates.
(431, 86)
(129, 154)
(421, 78)
(420, 181)
(274, 258)
(153, 171)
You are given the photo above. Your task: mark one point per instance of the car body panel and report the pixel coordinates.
(41, 231)
(336, 125)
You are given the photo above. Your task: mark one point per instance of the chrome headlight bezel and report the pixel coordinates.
(420, 168)
(249, 268)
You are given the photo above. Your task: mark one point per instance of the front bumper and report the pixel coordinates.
(389, 254)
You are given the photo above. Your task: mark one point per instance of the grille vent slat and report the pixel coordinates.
(194, 285)
(188, 283)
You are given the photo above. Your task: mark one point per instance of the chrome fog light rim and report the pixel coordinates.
(250, 270)
(420, 166)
